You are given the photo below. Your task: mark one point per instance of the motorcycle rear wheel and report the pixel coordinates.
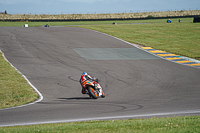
(92, 92)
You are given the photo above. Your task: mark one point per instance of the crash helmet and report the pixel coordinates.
(84, 73)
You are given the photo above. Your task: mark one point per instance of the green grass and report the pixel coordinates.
(75, 23)
(14, 89)
(41, 24)
(151, 125)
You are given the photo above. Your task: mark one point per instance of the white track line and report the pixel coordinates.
(40, 95)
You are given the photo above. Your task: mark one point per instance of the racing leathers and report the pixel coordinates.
(83, 78)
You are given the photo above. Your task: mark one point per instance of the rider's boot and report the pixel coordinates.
(83, 91)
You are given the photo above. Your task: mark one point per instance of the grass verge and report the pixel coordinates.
(76, 23)
(152, 125)
(14, 89)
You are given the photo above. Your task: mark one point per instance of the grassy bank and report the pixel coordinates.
(153, 125)
(14, 89)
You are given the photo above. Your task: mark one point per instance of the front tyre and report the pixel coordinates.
(103, 95)
(92, 92)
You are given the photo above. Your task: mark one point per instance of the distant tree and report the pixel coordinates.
(5, 12)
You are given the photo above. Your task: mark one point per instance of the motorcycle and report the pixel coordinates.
(93, 88)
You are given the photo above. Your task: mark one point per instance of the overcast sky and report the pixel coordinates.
(94, 6)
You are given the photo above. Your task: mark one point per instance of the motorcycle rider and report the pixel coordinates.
(83, 78)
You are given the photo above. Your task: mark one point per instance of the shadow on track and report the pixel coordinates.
(75, 98)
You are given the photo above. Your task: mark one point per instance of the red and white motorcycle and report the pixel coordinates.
(93, 88)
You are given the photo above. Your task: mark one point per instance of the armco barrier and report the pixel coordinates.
(196, 19)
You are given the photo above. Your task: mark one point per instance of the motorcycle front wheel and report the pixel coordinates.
(92, 92)
(103, 95)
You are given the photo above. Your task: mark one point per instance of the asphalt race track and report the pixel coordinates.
(137, 84)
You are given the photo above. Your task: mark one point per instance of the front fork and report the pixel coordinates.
(98, 90)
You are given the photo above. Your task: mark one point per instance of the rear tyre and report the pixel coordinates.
(92, 92)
